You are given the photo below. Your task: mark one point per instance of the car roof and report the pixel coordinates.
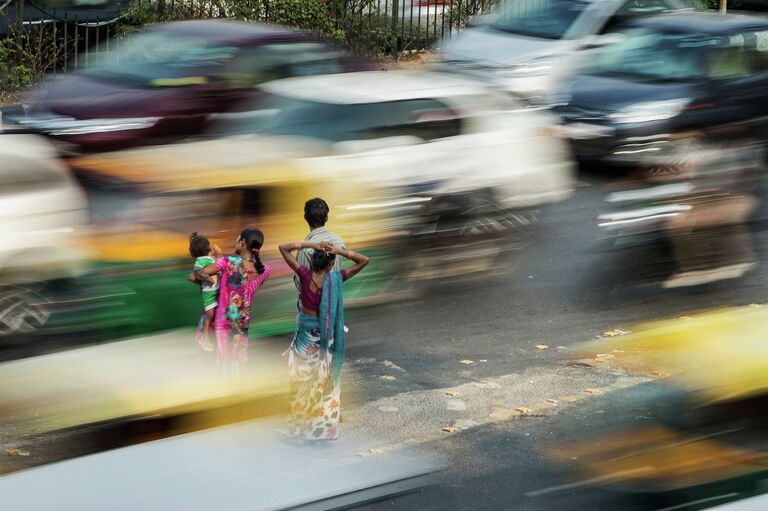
(229, 31)
(703, 22)
(374, 86)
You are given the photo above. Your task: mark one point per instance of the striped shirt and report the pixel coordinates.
(316, 236)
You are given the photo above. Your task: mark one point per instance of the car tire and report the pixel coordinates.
(23, 311)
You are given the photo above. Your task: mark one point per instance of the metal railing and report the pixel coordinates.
(49, 39)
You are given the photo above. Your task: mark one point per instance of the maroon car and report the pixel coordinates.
(167, 82)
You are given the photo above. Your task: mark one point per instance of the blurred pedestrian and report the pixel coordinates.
(241, 276)
(316, 354)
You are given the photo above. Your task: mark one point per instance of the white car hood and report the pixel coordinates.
(494, 48)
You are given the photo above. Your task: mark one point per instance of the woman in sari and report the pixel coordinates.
(241, 276)
(316, 354)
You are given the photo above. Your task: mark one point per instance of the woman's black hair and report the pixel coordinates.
(322, 260)
(199, 245)
(254, 240)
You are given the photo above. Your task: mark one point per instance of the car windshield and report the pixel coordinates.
(651, 55)
(282, 115)
(162, 58)
(548, 19)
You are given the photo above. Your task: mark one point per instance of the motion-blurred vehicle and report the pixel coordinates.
(711, 449)
(166, 82)
(458, 162)
(41, 209)
(670, 74)
(529, 46)
(145, 202)
(179, 434)
(382, 147)
(693, 214)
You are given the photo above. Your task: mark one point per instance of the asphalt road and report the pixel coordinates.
(558, 292)
(405, 379)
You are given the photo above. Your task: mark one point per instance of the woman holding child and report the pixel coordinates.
(239, 277)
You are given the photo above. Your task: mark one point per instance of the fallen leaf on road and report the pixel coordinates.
(451, 393)
(387, 377)
(610, 333)
(523, 410)
(501, 414)
(541, 347)
(16, 452)
(450, 429)
(466, 362)
(592, 391)
(553, 401)
(685, 318)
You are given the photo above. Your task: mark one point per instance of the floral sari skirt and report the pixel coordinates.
(315, 395)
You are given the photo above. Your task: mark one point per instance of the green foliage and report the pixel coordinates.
(26, 57)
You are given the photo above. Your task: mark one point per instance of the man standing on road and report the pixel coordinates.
(316, 214)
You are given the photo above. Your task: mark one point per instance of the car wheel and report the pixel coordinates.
(22, 311)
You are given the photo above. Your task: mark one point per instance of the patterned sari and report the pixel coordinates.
(233, 314)
(315, 358)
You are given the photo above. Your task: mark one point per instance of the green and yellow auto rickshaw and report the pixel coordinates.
(144, 205)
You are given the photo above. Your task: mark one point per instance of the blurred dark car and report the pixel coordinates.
(167, 82)
(667, 76)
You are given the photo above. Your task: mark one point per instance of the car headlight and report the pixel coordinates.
(533, 67)
(649, 111)
(69, 126)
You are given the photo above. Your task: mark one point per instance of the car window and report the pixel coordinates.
(548, 19)
(632, 9)
(423, 118)
(740, 56)
(161, 59)
(282, 115)
(274, 61)
(646, 54)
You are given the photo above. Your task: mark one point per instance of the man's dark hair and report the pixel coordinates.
(316, 212)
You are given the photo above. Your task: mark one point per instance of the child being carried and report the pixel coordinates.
(205, 253)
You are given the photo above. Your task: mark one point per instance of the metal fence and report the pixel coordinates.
(52, 37)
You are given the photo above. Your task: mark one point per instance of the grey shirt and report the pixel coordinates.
(316, 236)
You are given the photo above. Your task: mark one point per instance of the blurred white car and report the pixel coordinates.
(528, 46)
(435, 132)
(41, 207)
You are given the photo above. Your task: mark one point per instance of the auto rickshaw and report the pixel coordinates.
(712, 448)
(143, 209)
